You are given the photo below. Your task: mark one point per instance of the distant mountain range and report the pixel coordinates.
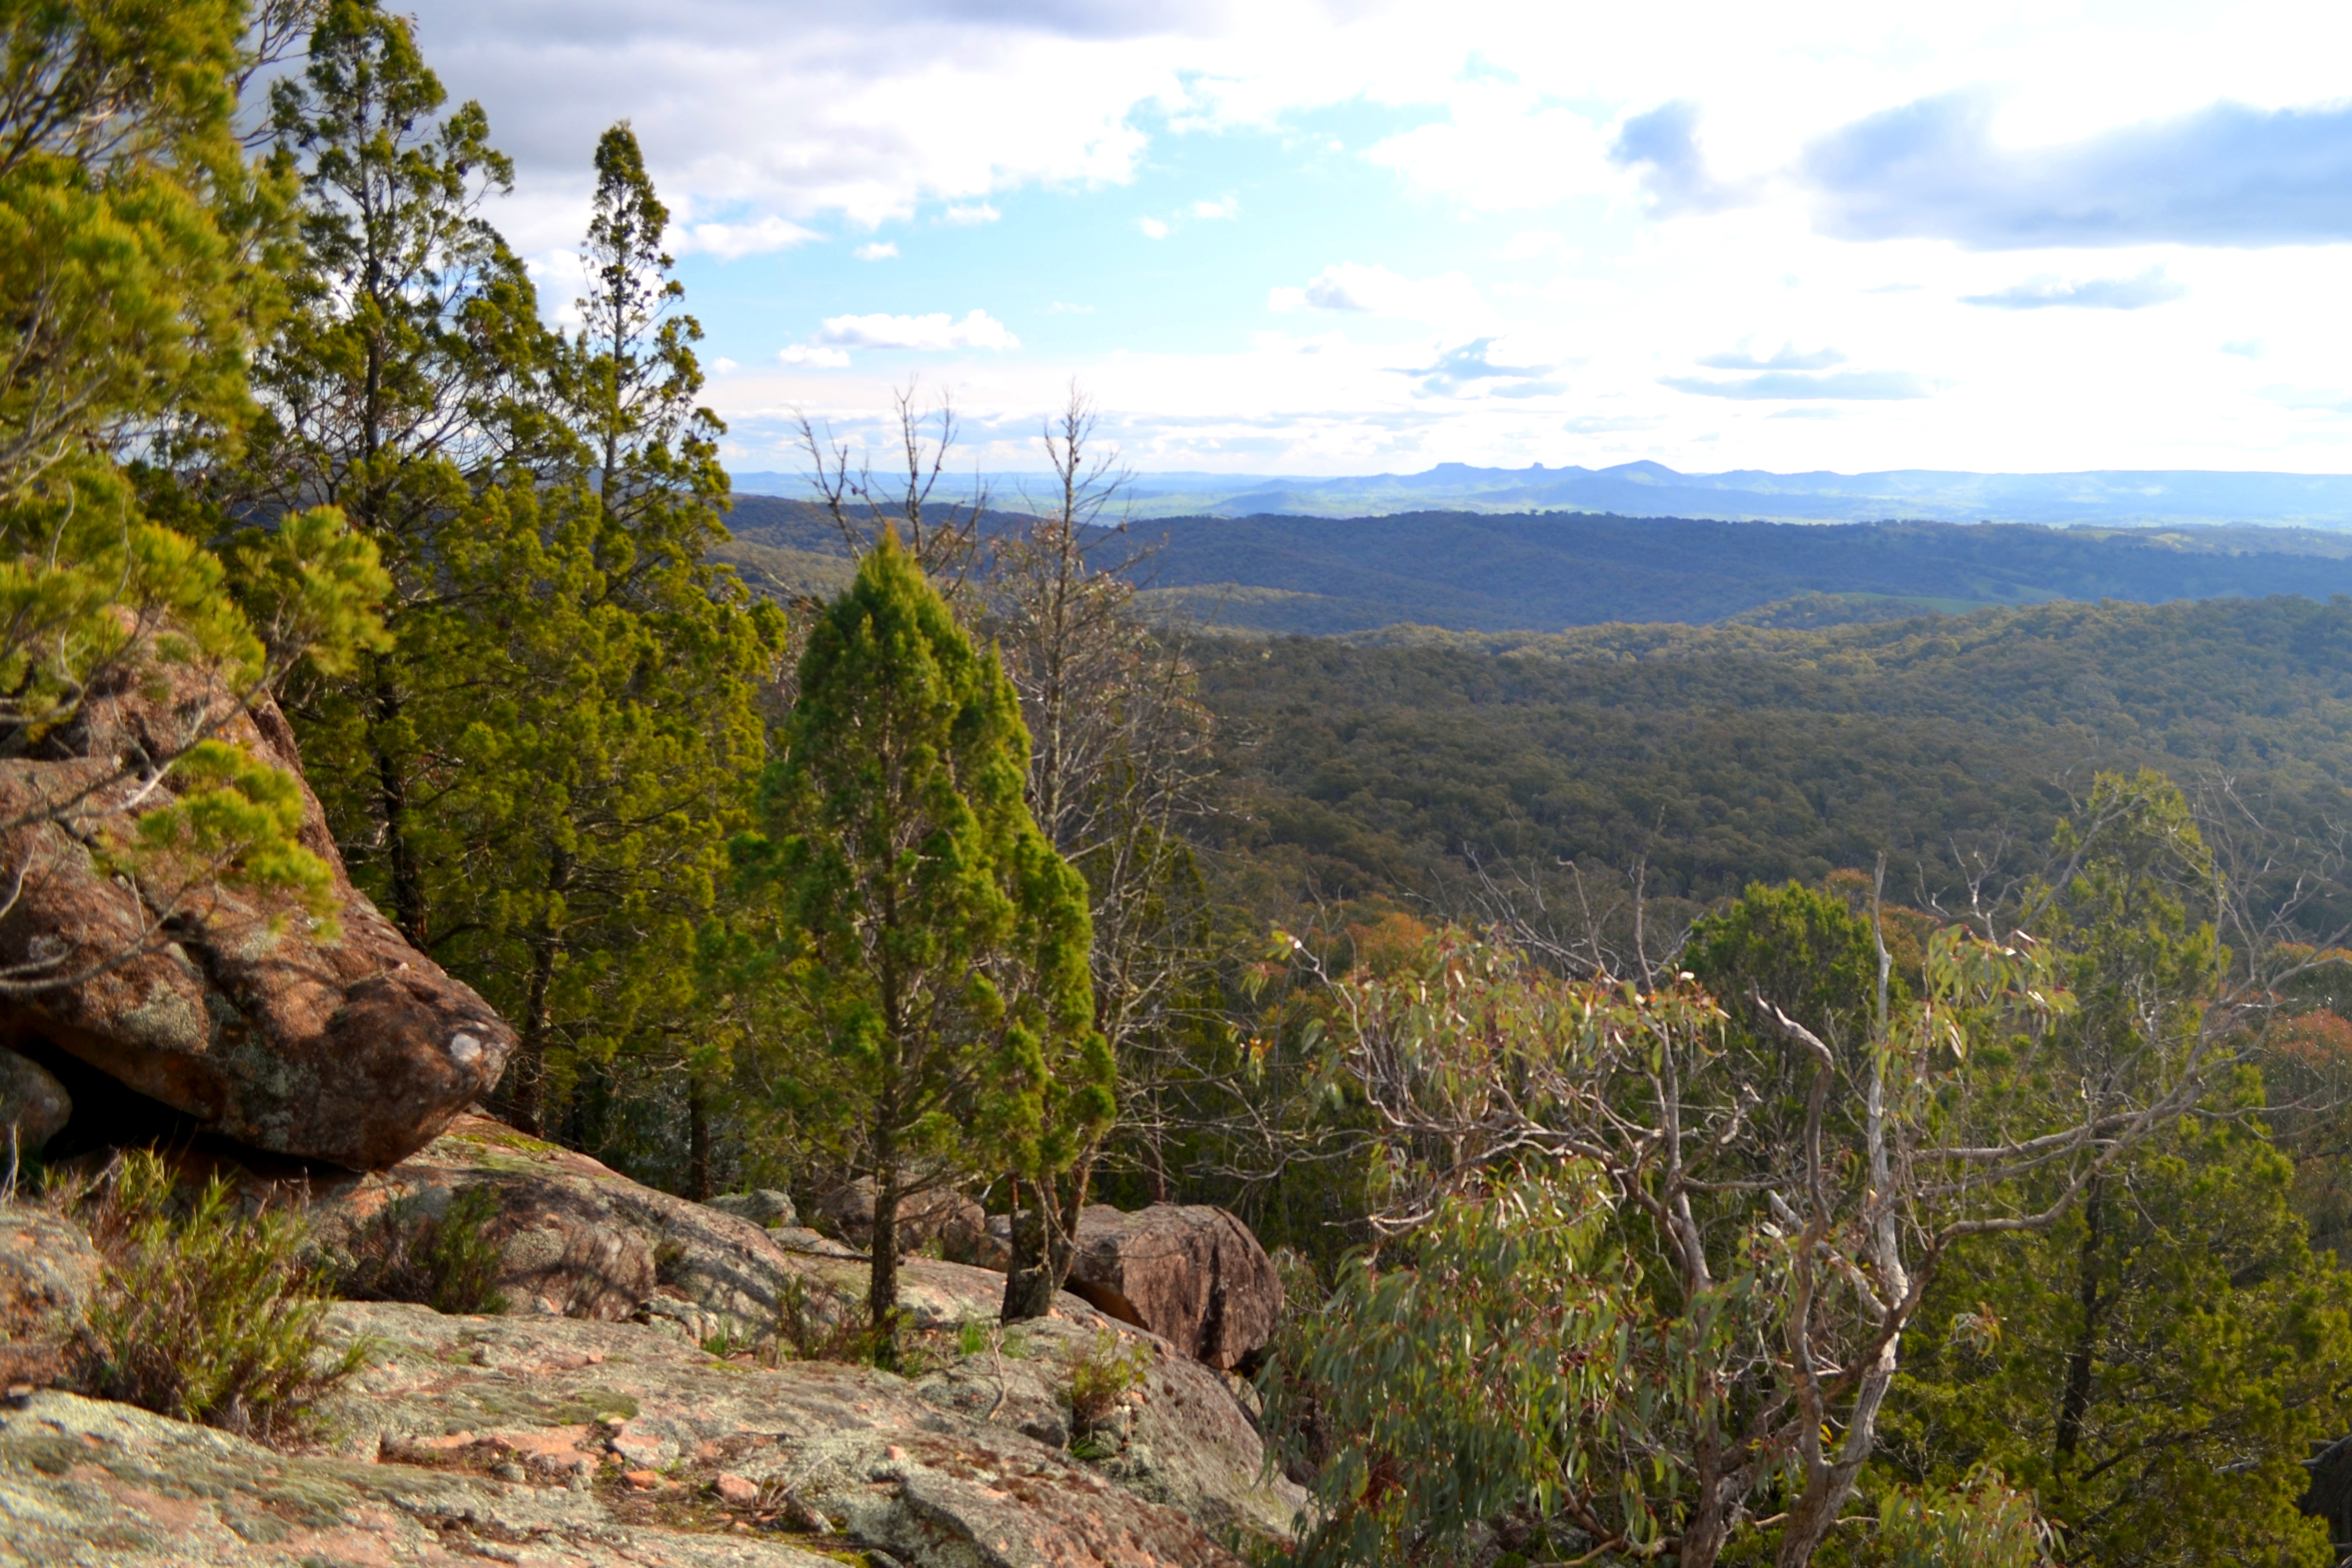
(2109, 496)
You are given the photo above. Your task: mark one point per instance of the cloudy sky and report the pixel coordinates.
(1325, 237)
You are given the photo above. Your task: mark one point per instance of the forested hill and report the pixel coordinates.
(1383, 768)
(1464, 571)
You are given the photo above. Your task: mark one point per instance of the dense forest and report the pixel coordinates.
(1465, 570)
(1384, 764)
(1854, 1094)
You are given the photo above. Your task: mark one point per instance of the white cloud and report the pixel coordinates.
(815, 358)
(1061, 308)
(1152, 227)
(2245, 348)
(1532, 244)
(1500, 150)
(1224, 207)
(880, 250)
(933, 333)
(837, 120)
(724, 366)
(732, 241)
(1450, 299)
(970, 212)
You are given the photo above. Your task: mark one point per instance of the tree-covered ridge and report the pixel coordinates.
(1466, 571)
(1721, 755)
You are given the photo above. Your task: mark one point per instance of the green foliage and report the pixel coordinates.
(2155, 1369)
(1722, 756)
(2157, 1365)
(1492, 1376)
(537, 772)
(1798, 950)
(1499, 572)
(932, 946)
(1981, 1523)
(135, 247)
(129, 220)
(1112, 1367)
(206, 1313)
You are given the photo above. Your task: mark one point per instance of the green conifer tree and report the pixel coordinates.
(937, 946)
(402, 387)
(609, 772)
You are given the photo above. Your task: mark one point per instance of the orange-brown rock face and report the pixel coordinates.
(356, 1050)
(1193, 1274)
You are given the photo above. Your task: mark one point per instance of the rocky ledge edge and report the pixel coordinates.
(584, 1428)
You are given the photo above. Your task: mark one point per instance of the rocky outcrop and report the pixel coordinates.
(48, 1274)
(1192, 1274)
(686, 1436)
(238, 1012)
(764, 1207)
(90, 1485)
(573, 1238)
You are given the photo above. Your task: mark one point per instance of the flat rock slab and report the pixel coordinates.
(90, 1485)
(581, 1407)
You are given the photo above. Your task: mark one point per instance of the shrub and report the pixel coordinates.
(1104, 1374)
(205, 1313)
(448, 1263)
(1981, 1523)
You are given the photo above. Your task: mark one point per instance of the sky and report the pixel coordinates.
(1350, 237)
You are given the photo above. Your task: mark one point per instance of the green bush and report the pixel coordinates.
(1104, 1374)
(820, 1324)
(1981, 1523)
(205, 1313)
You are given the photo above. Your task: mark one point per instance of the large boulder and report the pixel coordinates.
(34, 1106)
(238, 1012)
(1192, 1274)
(938, 1217)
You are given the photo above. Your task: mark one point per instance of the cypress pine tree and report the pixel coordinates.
(401, 388)
(936, 944)
(609, 778)
(538, 777)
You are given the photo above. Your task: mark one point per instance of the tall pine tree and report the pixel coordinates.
(538, 777)
(935, 945)
(611, 772)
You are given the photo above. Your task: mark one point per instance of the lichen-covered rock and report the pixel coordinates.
(764, 1207)
(941, 1215)
(1180, 1436)
(90, 1485)
(1193, 1274)
(355, 1050)
(34, 1106)
(520, 1434)
(49, 1273)
(576, 1408)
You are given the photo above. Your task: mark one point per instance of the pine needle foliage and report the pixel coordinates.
(931, 946)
